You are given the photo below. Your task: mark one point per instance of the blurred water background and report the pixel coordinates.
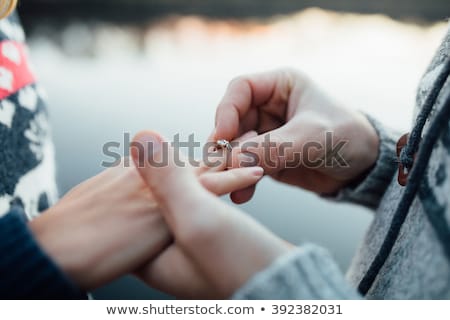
(111, 67)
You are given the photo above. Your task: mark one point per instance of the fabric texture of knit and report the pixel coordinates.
(27, 176)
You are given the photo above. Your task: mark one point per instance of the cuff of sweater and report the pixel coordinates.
(26, 271)
(307, 273)
(370, 191)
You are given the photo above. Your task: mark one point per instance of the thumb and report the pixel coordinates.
(166, 173)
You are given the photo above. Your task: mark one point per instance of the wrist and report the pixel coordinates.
(49, 232)
(365, 141)
(93, 245)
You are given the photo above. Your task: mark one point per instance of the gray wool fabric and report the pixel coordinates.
(416, 267)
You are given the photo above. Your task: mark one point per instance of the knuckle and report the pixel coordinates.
(239, 80)
(295, 76)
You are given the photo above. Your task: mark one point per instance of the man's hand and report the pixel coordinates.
(286, 105)
(216, 247)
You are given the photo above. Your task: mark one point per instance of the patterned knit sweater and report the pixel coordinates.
(27, 175)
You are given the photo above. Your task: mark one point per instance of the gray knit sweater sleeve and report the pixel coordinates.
(370, 191)
(307, 273)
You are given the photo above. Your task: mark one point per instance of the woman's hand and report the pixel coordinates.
(110, 224)
(216, 247)
(287, 107)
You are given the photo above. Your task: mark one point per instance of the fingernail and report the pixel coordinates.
(151, 145)
(247, 159)
(257, 171)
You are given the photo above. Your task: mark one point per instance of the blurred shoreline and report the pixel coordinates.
(142, 12)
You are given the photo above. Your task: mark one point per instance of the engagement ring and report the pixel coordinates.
(223, 144)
